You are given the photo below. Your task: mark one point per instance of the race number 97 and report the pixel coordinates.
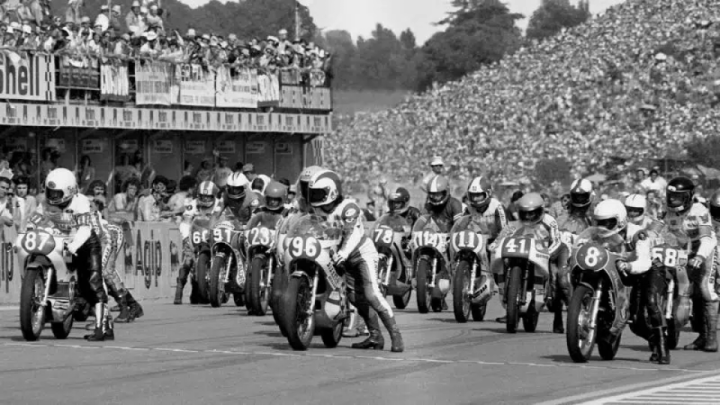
(305, 248)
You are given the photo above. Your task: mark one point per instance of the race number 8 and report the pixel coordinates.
(592, 257)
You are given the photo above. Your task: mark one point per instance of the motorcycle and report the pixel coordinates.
(389, 235)
(49, 285)
(473, 284)
(200, 238)
(430, 259)
(261, 268)
(525, 264)
(676, 301)
(227, 266)
(593, 309)
(315, 300)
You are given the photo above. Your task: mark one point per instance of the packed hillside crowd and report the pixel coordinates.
(143, 32)
(637, 82)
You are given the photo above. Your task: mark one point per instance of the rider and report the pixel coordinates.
(691, 223)
(637, 212)
(206, 206)
(274, 209)
(399, 204)
(358, 256)
(619, 236)
(71, 213)
(260, 183)
(575, 219)
(239, 202)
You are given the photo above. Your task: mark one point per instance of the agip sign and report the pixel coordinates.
(27, 77)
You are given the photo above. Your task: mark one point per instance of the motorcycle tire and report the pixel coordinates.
(402, 301)
(279, 285)
(258, 294)
(238, 299)
(81, 312)
(478, 312)
(673, 334)
(608, 351)
(29, 305)
(61, 330)
(577, 304)
(216, 293)
(300, 326)
(515, 289)
(201, 272)
(382, 273)
(461, 300)
(332, 337)
(423, 291)
(436, 304)
(530, 319)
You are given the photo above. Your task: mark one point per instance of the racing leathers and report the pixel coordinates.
(360, 259)
(694, 229)
(193, 212)
(76, 220)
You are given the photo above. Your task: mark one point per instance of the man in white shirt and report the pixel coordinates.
(654, 183)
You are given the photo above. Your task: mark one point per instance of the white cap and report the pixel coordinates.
(437, 161)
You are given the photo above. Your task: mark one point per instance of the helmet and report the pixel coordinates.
(275, 196)
(60, 186)
(260, 183)
(531, 208)
(714, 204)
(479, 192)
(636, 205)
(399, 201)
(324, 188)
(438, 190)
(207, 192)
(581, 193)
(236, 186)
(679, 194)
(610, 215)
(303, 182)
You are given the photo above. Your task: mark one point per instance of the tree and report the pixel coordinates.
(554, 15)
(340, 44)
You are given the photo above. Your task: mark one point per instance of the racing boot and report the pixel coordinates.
(179, 292)
(375, 341)
(662, 348)
(124, 316)
(711, 318)
(99, 333)
(558, 321)
(136, 310)
(397, 345)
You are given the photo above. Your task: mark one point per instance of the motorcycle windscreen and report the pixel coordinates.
(394, 222)
(315, 226)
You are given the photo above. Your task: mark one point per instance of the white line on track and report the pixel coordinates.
(348, 356)
(695, 391)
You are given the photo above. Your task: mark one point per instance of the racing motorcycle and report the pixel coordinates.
(525, 263)
(49, 291)
(261, 267)
(227, 266)
(390, 234)
(315, 300)
(430, 259)
(592, 310)
(676, 301)
(473, 285)
(200, 238)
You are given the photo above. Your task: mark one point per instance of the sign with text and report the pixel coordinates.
(114, 84)
(255, 148)
(197, 85)
(237, 88)
(194, 147)
(226, 146)
(163, 146)
(152, 82)
(27, 77)
(93, 146)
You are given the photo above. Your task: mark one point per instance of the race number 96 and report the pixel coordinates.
(302, 247)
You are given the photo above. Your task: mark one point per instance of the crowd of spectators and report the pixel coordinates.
(142, 31)
(633, 84)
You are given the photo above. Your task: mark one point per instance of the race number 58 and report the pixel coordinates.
(668, 257)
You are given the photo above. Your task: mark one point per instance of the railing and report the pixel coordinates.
(144, 82)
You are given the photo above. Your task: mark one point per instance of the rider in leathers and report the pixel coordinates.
(71, 213)
(357, 254)
(239, 203)
(575, 219)
(205, 206)
(690, 223)
(714, 207)
(399, 204)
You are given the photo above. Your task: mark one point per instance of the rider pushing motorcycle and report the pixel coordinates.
(360, 258)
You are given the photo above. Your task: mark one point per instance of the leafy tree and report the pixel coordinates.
(548, 171)
(554, 15)
(340, 43)
(705, 152)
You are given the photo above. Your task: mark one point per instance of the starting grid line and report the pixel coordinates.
(348, 356)
(703, 391)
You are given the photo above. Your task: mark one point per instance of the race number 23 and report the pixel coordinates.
(305, 248)
(260, 236)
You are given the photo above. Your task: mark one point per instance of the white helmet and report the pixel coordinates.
(60, 186)
(325, 188)
(260, 183)
(636, 206)
(611, 216)
(581, 193)
(236, 186)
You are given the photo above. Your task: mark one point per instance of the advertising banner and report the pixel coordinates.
(114, 84)
(269, 90)
(152, 83)
(27, 77)
(197, 85)
(236, 88)
(79, 72)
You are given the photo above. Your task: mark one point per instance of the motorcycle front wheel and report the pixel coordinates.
(201, 273)
(297, 317)
(515, 291)
(61, 330)
(32, 313)
(331, 337)
(423, 291)
(580, 338)
(461, 286)
(258, 289)
(215, 290)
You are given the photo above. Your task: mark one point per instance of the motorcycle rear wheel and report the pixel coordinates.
(258, 294)
(530, 319)
(32, 314)
(201, 273)
(515, 289)
(607, 351)
(332, 337)
(61, 330)
(216, 292)
(423, 291)
(299, 325)
(579, 309)
(461, 285)
(478, 312)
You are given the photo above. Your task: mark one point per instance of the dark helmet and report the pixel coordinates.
(679, 194)
(531, 208)
(581, 193)
(399, 201)
(275, 196)
(714, 204)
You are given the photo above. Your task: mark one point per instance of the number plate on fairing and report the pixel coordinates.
(591, 256)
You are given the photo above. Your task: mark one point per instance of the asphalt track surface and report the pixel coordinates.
(201, 355)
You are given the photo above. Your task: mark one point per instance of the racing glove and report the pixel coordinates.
(696, 262)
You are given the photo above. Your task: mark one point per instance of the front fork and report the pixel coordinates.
(388, 270)
(434, 272)
(46, 293)
(595, 306)
(311, 308)
(669, 302)
(473, 273)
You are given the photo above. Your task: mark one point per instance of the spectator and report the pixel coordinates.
(102, 22)
(205, 172)
(85, 173)
(369, 212)
(11, 210)
(437, 165)
(222, 172)
(152, 208)
(22, 186)
(176, 204)
(249, 171)
(126, 202)
(132, 19)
